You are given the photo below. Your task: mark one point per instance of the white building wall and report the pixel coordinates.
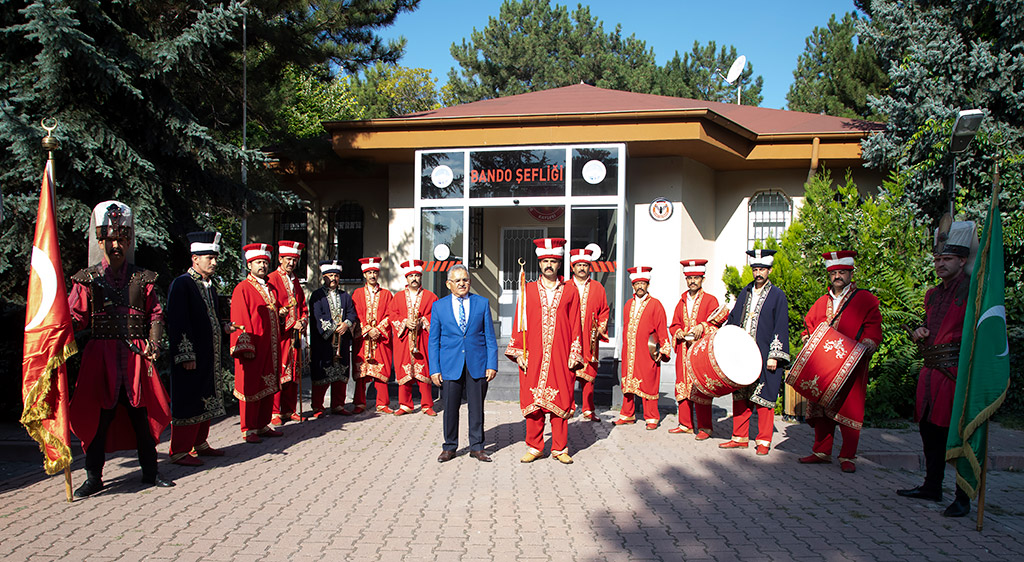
(734, 190)
(402, 222)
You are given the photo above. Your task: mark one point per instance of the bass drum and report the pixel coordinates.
(724, 361)
(824, 365)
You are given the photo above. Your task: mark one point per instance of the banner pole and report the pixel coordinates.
(67, 484)
(982, 484)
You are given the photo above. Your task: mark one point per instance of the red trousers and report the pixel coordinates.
(741, 410)
(405, 401)
(535, 432)
(686, 407)
(338, 389)
(359, 396)
(286, 399)
(587, 400)
(824, 434)
(184, 438)
(255, 415)
(651, 414)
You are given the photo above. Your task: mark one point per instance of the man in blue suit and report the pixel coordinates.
(463, 356)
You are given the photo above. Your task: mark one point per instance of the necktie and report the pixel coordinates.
(462, 315)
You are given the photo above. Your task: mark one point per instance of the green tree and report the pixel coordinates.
(837, 72)
(943, 56)
(533, 46)
(149, 98)
(389, 91)
(698, 75)
(892, 263)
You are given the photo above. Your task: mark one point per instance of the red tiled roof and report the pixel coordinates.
(584, 99)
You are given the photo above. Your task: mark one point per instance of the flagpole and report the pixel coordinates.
(984, 459)
(51, 144)
(981, 484)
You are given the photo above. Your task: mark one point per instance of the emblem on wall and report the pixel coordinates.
(546, 214)
(661, 209)
(442, 176)
(594, 172)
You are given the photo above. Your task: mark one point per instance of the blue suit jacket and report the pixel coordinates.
(449, 350)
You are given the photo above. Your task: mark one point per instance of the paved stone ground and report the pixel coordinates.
(369, 488)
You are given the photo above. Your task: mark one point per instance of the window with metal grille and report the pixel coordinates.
(769, 214)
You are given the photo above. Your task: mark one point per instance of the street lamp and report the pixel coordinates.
(966, 126)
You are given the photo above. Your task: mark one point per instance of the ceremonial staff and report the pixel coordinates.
(521, 309)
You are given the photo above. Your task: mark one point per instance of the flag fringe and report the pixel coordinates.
(35, 412)
(966, 452)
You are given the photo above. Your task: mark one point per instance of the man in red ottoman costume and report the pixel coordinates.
(643, 317)
(854, 313)
(255, 345)
(410, 321)
(547, 353)
(593, 322)
(696, 314)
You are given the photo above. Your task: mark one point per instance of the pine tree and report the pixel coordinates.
(837, 72)
(148, 97)
(943, 56)
(533, 46)
(699, 75)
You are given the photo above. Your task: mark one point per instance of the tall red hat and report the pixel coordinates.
(589, 254)
(639, 273)
(694, 267)
(369, 264)
(411, 266)
(550, 248)
(843, 259)
(289, 248)
(257, 251)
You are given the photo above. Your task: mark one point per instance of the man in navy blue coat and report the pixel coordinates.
(195, 330)
(463, 356)
(763, 312)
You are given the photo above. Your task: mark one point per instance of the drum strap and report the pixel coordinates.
(832, 324)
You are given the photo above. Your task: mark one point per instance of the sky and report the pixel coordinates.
(771, 34)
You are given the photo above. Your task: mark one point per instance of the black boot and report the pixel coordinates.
(923, 493)
(960, 507)
(157, 480)
(93, 483)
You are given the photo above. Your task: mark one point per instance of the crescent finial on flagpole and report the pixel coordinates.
(49, 143)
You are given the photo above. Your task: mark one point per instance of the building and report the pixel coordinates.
(651, 179)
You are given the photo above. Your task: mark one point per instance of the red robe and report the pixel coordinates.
(553, 350)
(254, 307)
(593, 322)
(99, 379)
(862, 321)
(682, 323)
(407, 365)
(641, 375)
(944, 309)
(288, 292)
(373, 357)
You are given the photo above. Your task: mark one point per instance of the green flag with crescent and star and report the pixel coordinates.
(983, 374)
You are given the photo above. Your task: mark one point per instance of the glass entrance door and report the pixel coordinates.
(516, 244)
(599, 225)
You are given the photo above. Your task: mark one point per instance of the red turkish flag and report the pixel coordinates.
(49, 340)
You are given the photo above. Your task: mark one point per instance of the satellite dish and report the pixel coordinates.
(736, 69)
